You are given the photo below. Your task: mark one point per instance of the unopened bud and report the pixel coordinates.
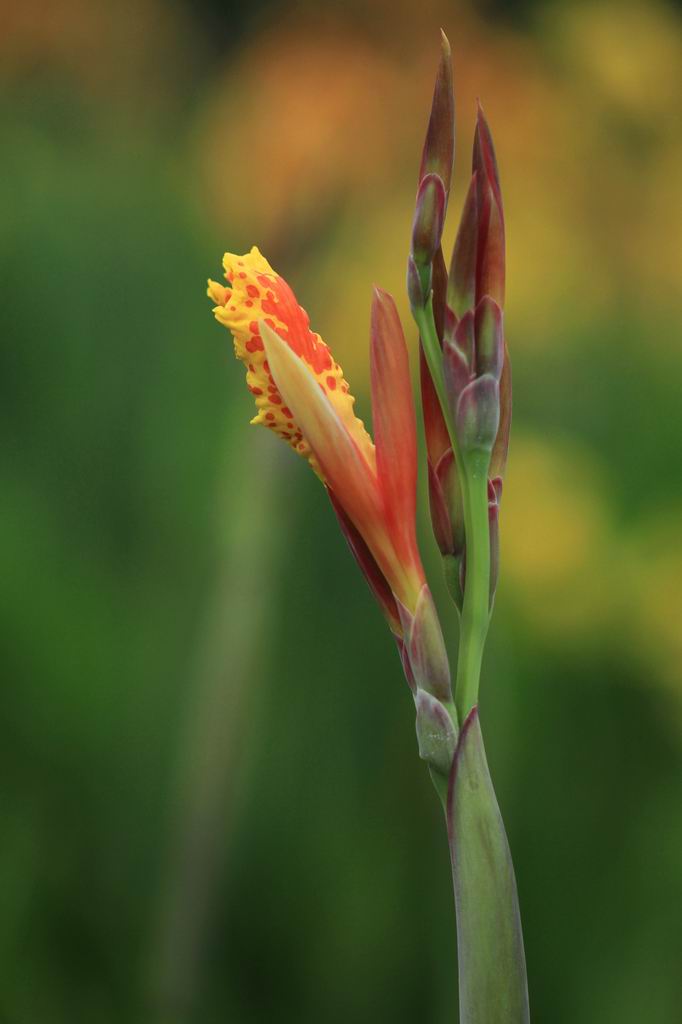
(491, 262)
(462, 277)
(490, 272)
(440, 516)
(429, 215)
(477, 415)
(484, 161)
(439, 147)
(456, 371)
(489, 338)
(435, 732)
(465, 337)
(447, 509)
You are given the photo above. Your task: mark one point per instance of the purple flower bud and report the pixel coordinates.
(477, 414)
(440, 514)
(490, 263)
(429, 215)
(456, 371)
(484, 161)
(445, 498)
(439, 147)
(489, 338)
(465, 339)
(490, 260)
(461, 294)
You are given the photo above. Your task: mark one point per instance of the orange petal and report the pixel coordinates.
(395, 431)
(342, 464)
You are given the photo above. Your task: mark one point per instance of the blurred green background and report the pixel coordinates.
(211, 807)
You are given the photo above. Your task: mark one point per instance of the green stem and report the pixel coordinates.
(492, 968)
(473, 478)
(475, 611)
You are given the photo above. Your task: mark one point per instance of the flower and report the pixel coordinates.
(254, 295)
(303, 397)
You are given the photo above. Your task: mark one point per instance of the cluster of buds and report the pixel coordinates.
(465, 371)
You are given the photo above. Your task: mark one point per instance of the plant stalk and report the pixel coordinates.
(492, 969)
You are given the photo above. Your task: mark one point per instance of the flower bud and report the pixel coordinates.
(461, 294)
(456, 371)
(490, 259)
(490, 269)
(484, 161)
(439, 147)
(445, 497)
(440, 515)
(429, 215)
(477, 415)
(489, 339)
(435, 732)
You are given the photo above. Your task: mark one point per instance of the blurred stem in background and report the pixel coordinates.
(220, 732)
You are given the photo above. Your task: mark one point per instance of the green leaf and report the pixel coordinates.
(492, 965)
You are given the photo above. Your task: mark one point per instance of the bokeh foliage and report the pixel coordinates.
(211, 806)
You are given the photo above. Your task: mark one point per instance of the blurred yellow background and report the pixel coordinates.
(212, 809)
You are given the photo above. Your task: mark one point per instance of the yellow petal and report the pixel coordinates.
(256, 293)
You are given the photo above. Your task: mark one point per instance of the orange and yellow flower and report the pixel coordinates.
(302, 396)
(255, 294)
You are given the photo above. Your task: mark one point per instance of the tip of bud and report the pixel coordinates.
(439, 146)
(484, 161)
(490, 271)
(384, 319)
(462, 277)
